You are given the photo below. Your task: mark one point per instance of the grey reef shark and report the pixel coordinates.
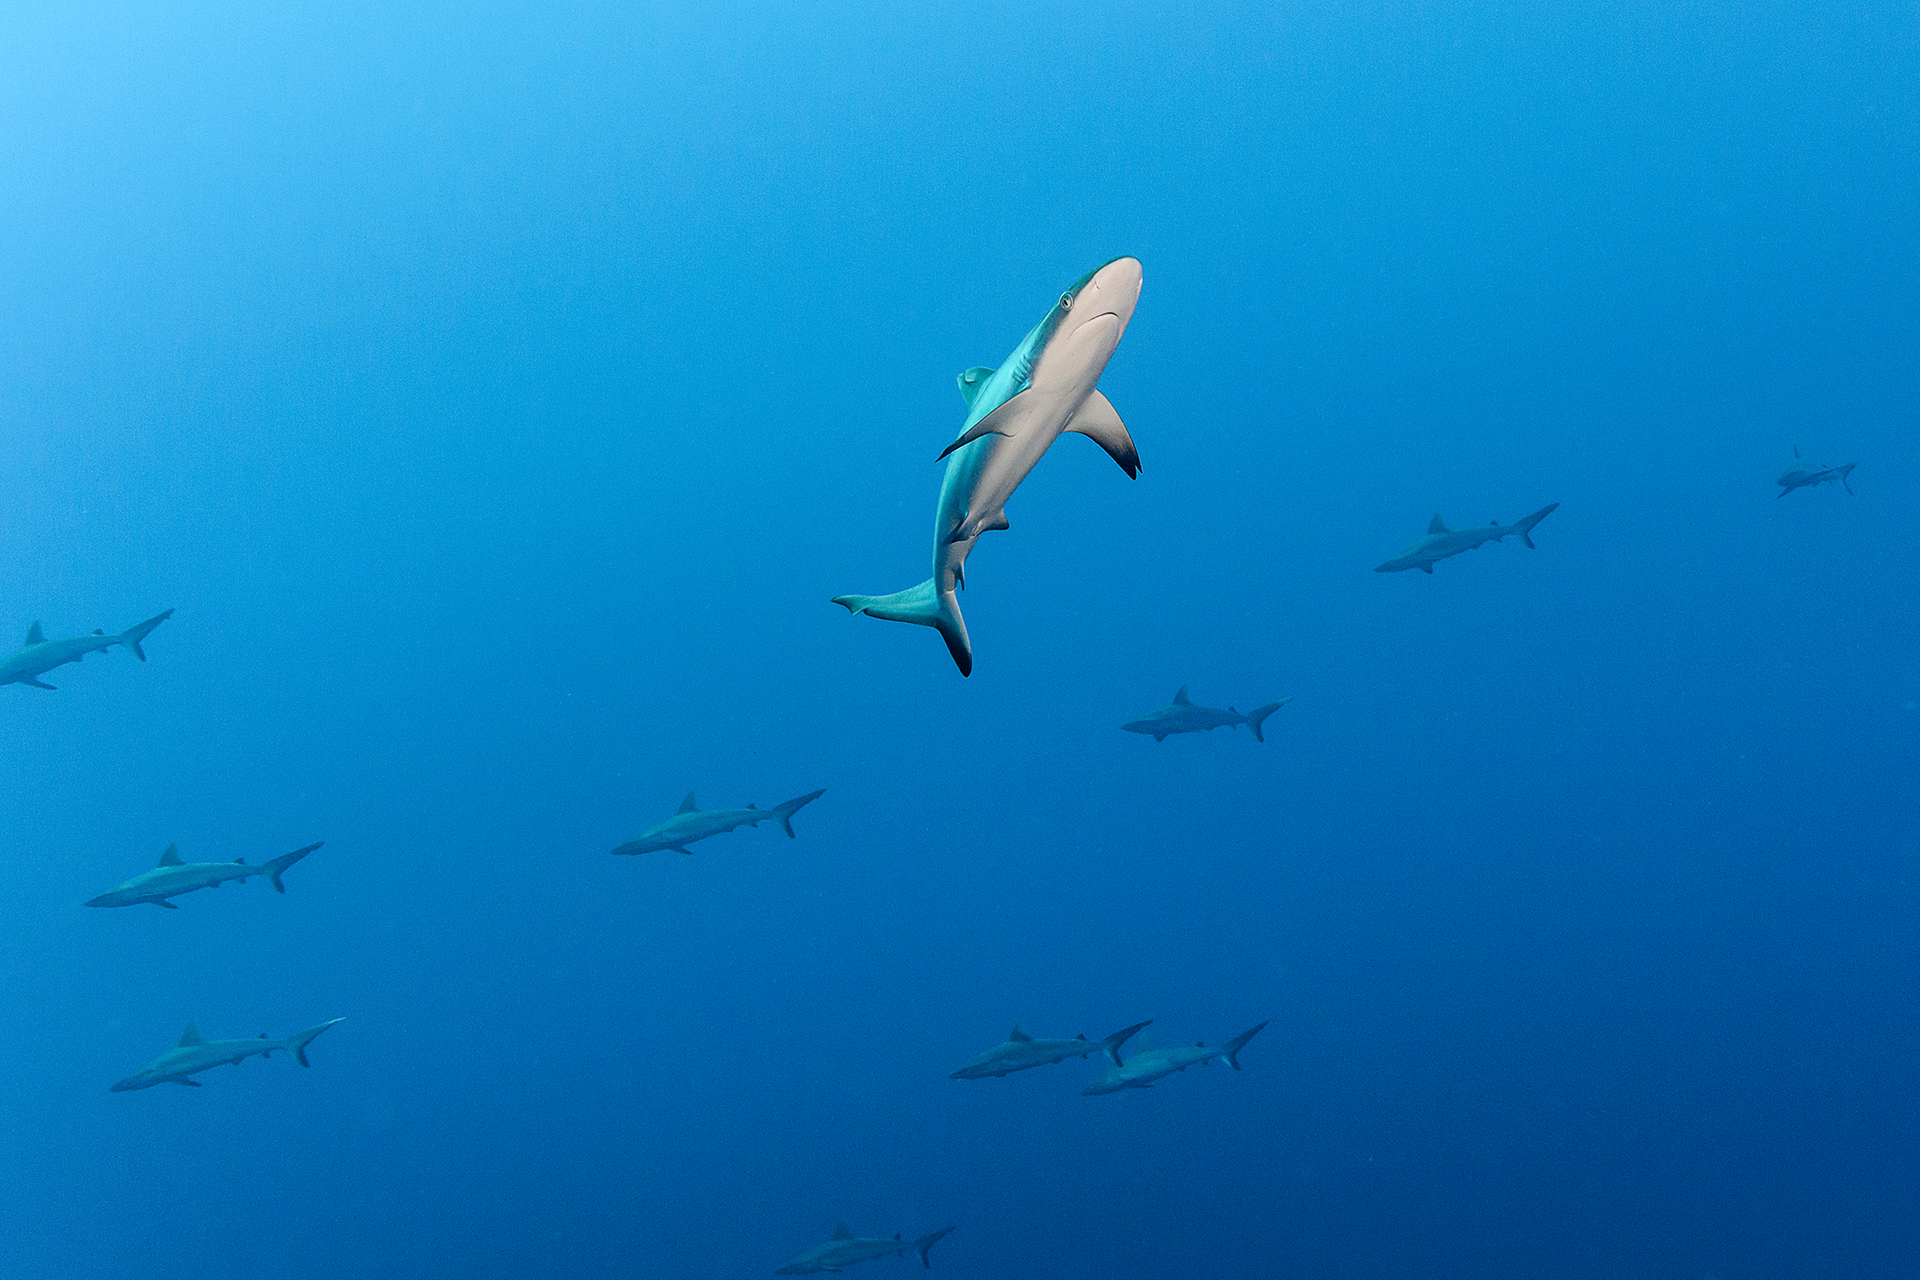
(1442, 542)
(845, 1249)
(38, 655)
(1022, 1052)
(1184, 717)
(1014, 414)
(694, 823)
(194, 1055)
(174, 877)
(1805, 475)
(1143, 1068)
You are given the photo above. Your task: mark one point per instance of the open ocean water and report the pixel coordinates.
(499, 393)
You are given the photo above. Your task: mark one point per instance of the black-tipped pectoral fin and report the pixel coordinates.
(1004, 421)
(1426, 567)
(1097, 419)
(36, 682)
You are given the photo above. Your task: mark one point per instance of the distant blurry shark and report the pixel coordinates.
(1805, 475)
(1014, 414)
(1184, 717)
(1022, 1052)
(845, 1249)
(1442, 542)
(194, 1055)
(173, 877)
(692, 823)
(39, 655)
(1149, 1065)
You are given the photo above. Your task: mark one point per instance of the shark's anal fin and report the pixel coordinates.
(972, 381)
(687, 805)
(1097, 419)
(1004, 421)
(1437, 525)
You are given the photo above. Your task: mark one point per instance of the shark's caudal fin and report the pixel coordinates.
(1231, 1050)
(1524, 525)
(923, 606)
(275, 866)
(1111, 1045)
(297, 1042)
(925, 1243)
(1841, 474)
(1258, 716)
(133, 635)
(784, 812)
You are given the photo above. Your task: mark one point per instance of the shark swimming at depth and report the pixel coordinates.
(1014, 414)
(1805, 475)
(845, 1249)
(693, 823)
(1022, 1052)
(38, 655)
(194, 1055)
(1184, 717)
(174, 877)
(1143, 1068)
(1442, 542)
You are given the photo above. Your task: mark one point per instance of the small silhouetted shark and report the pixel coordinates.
(693, 823)
(1184, 717)
(39, 655)
(1014, 414)
(1442, 542)
(1149, 1065)
(194, 1055)
(174, 877)
(845, 1249)
(1805, 475)
(1022, 1052)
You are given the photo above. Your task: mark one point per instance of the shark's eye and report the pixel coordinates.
(1066, 300)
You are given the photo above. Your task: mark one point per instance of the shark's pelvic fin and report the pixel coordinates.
(687, 805)
(1004, 421)
(170, 857)
(36, 636)
(923, 606)
(971, 381)
(1097, 418)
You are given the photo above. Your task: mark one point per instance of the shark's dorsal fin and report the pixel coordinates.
(34, 635)
(688, 806)
(972, 380)
(1796, 453)
(171, 858)
(190, 1036)
(841, 1233)
(1438, 525)
(1181, 699)
(1018, 1033)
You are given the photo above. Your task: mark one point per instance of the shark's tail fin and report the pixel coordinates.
(922, 606)
(925, 1243)
(1843, 472)
(785, 812)
(1231, 1050)
(133, 635)
(273, 867)
(1111, 1045)
(297, 1042)
(1524, 525)
(1258, 716)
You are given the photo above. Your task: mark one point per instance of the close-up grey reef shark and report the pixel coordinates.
(1442, 542)
(38, 655)
(174, 877)
(1806, 475)
(1143, 1068)
(845, 1249)
(1021, 1052)
(1014, 414)
(694, 823)
(194, 1055)
(1182, 716)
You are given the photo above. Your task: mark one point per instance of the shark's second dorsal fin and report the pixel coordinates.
(1018, 1033)
(35, 636)
(841, 1233)
(971, 381)
(190, 1036)
(171, 858)
(1437, 525)
(688, 806)
(1181, 699)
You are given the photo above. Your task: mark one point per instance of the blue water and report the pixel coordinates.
(499, 392)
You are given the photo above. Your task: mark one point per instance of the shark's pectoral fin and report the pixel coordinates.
(37, 682)
(1426, 568)
(1097, 418)
(162, 902)
(679, 848)
(191, 1084)
(1004, 421)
